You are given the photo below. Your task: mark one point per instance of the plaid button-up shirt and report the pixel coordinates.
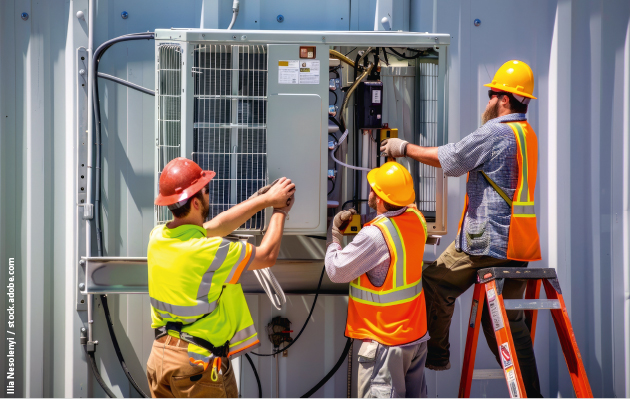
(491, 148)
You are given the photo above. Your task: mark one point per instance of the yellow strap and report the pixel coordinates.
(497, 188)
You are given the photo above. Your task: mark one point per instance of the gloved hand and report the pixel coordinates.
(334, 230)
(263, 190)
(280, 194)
(394, 148)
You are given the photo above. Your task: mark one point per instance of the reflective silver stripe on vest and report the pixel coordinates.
(406, 293)
(524, 170)
(523, 209)
(200, 309)
(400, 253)
(206, 279)
(198, 356)
(243, 346)
(244, 334)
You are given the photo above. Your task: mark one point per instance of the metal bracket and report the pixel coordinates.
(81, 144)
(88, 211)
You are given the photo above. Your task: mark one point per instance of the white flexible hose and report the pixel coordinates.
(235, 7)
(269, 283)
(332, 155)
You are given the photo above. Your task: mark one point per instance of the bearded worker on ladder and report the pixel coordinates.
(198, 309)
(383, 265)
(498, 224)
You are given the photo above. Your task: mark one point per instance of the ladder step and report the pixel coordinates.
(520, 304)
(488, 374)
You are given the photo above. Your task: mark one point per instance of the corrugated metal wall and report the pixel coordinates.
(579, 51)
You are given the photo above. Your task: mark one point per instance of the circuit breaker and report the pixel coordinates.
(370, 105)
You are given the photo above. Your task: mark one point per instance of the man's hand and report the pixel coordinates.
(394, 148)
(280, 194)
(263, 190)
(334, 231)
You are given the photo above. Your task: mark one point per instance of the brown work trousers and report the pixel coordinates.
(444, 280)
(171, 375)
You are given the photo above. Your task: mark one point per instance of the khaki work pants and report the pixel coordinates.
(392, 371)
(170, 374)
(444, 280)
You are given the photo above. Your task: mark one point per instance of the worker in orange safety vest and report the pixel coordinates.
(498, 223)
(386, 306)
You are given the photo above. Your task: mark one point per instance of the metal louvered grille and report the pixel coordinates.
(229, 123)
(428, 129)
(169, 73)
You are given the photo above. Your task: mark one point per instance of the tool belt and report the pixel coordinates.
(220, 351)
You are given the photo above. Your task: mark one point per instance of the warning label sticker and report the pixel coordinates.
(506, 357)
(288, 72)
(495, 312)
(376, 96)
(510, 376)
(309, 72)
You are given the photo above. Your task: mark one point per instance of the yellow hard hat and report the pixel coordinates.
(515, 77)
(392, 183)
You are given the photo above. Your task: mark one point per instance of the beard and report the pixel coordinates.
(490, 113)
(205, 211)
(372, 201)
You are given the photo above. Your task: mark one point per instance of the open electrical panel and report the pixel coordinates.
(255, 105)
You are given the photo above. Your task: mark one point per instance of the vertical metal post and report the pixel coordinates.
(187, 103)
(234, 125)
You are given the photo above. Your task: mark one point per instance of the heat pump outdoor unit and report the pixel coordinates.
(253, 106)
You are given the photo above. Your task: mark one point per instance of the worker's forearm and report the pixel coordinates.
(426, 155)
(228, 221)
(267, 252)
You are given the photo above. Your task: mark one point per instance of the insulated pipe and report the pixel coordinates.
(126, 83)
(351, 90)
(336, 54)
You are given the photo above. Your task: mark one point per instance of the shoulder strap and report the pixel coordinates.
(497, 188)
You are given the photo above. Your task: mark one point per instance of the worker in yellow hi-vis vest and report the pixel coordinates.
(198, 309)
(498, 223)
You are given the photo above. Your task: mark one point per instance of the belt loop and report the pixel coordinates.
(168, 339)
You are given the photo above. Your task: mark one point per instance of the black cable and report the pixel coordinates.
(331, 372)
(335, 94)
(97, 184)
(349, 53)
(333, 186)
(319, 285)
(356, 201)
(251, 363)
(317, 237)
(112, 334)
(334, 136)
(97, 375)
(126, 83)
(385, 55)
(404, 56)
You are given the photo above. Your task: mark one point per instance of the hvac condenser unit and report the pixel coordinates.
(254, 106)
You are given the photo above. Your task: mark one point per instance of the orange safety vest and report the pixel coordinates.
(523, 241)
(394, 313)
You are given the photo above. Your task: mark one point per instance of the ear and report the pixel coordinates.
(505, 101)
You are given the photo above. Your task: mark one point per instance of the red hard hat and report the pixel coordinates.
(180, 180)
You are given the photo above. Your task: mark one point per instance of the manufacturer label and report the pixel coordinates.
(288, 72)
(495, 312)
(506, 357)
(309, 72)
(510, 376)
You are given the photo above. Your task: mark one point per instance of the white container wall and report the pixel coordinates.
(579, 52)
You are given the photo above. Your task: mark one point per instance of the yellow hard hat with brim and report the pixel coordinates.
(393, 183)
(515, 77)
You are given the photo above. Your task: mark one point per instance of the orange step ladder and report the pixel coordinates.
(489, 289)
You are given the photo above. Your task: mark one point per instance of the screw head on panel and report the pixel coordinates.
(124, 15)
(80, 15)
(280, 18)
(81, 286)
(24, 16)
(477, 22)
(81, 71)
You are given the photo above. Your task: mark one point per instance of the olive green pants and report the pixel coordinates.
(443, 281)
